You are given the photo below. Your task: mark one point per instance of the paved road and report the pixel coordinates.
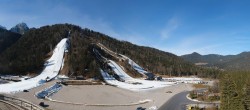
(177, 102)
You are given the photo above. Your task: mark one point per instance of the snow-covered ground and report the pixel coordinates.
(52, 67)
(129, 82)
(138, 68)
(62, 77)
(135, 65)
(193, 80)
(112, 81)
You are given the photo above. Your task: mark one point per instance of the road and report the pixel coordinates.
(177, 102)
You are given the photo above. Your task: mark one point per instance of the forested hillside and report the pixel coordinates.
(32, 49)
(235, 90)
(81, 60)
(7, 38)
(29, 52)
(154, 60)
(228, 62)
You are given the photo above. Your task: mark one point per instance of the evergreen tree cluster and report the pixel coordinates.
(7, 38)
(235, 91)
(81, 60)
(154, 60)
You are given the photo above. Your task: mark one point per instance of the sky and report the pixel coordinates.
(176, 26)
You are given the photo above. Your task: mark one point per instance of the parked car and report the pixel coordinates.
(43, 105)
(140, 108)
(25, 90)
(159, 78)
(169, 92)
(150, 76)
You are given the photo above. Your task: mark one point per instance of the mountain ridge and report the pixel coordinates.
(20, 28)
(227, 62)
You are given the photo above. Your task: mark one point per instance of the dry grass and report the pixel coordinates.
(198, 86)
(131, 72)
(81, 82)
(65, 69)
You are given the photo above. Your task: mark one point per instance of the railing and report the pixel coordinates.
(21, 102)
(8, 107)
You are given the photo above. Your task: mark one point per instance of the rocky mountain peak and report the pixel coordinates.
(20, 28)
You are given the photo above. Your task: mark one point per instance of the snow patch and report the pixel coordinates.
(129, 82)
(52, 67)
(135, 65)
(193, 80)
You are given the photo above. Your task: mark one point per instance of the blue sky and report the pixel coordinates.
(176, 26)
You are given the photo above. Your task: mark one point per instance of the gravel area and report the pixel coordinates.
(103, 94)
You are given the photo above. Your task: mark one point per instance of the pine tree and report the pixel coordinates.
(231, 99)
(247, 96)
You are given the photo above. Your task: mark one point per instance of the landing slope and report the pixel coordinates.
(52, 67)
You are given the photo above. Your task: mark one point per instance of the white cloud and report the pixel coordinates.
(170, 27)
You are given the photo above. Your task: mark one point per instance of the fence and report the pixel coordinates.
(20, 102)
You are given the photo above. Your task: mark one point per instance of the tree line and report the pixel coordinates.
(30, 52)
(235, 90)
(7, 38)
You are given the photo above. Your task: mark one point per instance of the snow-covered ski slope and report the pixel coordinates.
(52, 67)
(174, 79)
(138, 68)
(112, 81)
(135, 65)
(107, 50)
(118, 70)
(131, 83)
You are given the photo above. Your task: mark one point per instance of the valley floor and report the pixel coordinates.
(103, 94)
